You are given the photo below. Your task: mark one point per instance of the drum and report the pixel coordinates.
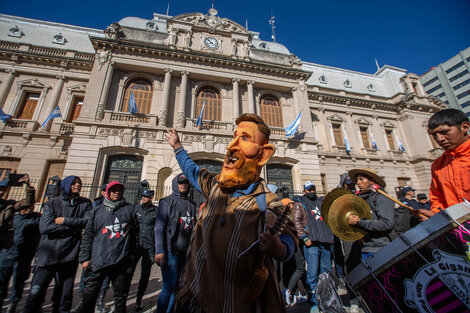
(424, 270)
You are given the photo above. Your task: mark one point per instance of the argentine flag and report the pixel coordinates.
(132, 105)
(346, 144)
(292, 127)
(199, 119)
(374, 144)
(400, 146)
(53, 115)
(5, 117)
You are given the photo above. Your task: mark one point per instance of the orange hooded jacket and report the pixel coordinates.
(450, 178)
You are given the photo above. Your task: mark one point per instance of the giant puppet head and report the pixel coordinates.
(246, 154)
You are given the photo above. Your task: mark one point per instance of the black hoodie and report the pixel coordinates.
(110, 235)
(176, 217)
(61, 242)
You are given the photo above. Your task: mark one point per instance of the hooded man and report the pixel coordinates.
(108, 248)
(61, 227)
(239, 208)
(176, 218)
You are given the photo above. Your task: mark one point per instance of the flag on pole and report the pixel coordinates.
(374, 144)
(400, 146)
(346, 144)
(53, 115)
(5, 117)
(292, 127)
(132, 105)
(199, 119)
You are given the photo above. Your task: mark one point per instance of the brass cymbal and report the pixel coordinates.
(328, 201)
(339, 211)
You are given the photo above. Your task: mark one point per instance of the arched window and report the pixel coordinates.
(213, 104)
(142, 92)
(271, 111)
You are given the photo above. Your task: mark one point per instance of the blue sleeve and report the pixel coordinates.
(289, 244)
(160, 226)
(189, 168)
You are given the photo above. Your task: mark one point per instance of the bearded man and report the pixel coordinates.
(216, 279)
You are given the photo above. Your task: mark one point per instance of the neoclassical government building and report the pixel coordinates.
(171, 66)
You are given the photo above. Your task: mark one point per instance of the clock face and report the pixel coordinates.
(211, 42)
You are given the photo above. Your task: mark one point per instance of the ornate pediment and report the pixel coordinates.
(387, 125)
(336, 118)
(32, 83)
(77, 88)
(211, 21)
(362, 121)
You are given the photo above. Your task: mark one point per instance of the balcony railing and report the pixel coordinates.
(279, 131)
(20, 124)
(125, 117)
(66, 128)
(209, 124)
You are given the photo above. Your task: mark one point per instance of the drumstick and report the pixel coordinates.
(375, 188)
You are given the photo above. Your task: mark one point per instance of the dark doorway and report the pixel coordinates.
(126, 169)
(280, 176)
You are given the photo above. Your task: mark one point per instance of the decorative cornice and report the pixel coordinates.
(200, 58)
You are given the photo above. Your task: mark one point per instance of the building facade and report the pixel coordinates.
(450, 81)
(166, 69)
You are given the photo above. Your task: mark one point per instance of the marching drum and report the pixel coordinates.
(424, 270)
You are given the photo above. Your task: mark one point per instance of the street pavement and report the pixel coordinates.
(149, 300)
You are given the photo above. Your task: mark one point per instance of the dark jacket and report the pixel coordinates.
(61, 242)
(176, 217)
(146, 218)
(98, 201)
(404, 221)
(26, 236)
(380, 227)
(308, 221)
(7, 212)
(109, 236)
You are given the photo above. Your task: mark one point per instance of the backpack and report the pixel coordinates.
(328, 299)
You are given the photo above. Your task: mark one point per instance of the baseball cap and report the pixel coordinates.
(148, 193)
(406, 189)
(308, 184)
(103, 187)
(421, 196)
(182, 178)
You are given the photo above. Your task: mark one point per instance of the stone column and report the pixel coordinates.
(235, 99)
(55, 96)
(105, 91)
(166, 98)
(181, 115)
(251, 99)
(6, 86)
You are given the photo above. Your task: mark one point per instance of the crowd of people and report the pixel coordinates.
(225, 255)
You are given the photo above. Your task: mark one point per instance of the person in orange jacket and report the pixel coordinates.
(451, 171)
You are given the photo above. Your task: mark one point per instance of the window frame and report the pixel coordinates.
(271, 116)
(215, 108)
(124, 106)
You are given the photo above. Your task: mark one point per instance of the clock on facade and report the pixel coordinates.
(211, 42)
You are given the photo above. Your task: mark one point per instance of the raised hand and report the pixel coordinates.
(173, 139)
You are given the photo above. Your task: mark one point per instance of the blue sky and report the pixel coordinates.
(413, 34)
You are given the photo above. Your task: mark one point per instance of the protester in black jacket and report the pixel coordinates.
(61, 227)
(176, 217)
(108, 249)
(146, 214)
(16, 261)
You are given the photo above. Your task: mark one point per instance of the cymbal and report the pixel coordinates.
(328, 201)
(339, 211)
